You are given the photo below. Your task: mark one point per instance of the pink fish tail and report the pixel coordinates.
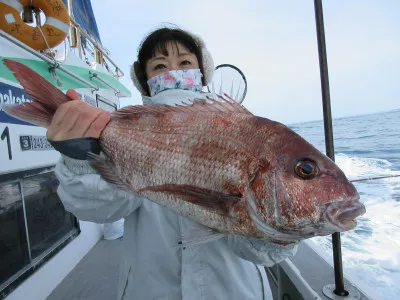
(46, 97)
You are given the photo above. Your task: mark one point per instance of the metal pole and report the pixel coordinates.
(326, 103)
(94, 75)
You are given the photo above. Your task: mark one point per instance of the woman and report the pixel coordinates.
(172, 66)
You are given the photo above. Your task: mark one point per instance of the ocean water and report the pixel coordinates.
(367, 146)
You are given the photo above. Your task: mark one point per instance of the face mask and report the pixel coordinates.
(176, 79)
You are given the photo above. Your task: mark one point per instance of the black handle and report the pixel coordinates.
(77, 148)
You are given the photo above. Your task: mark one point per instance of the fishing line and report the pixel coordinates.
(374, 178)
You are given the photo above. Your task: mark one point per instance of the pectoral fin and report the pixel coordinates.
(215, 200)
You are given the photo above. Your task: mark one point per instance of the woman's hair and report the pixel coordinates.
(157, 41)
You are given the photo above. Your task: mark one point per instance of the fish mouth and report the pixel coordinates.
(342, 214)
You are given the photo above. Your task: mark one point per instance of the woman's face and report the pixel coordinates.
(178, 58)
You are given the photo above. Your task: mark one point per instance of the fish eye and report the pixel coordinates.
(306, 169)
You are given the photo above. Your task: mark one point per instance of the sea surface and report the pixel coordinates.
(368, 146)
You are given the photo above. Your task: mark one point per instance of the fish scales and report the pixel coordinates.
(213, 162)
(165, 153)
(183, 150)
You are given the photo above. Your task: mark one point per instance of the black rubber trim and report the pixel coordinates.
(77, 148)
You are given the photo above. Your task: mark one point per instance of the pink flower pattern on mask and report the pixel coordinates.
(168, 77)
(189, 81)
(176, 79)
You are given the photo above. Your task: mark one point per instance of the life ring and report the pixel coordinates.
(55, 29)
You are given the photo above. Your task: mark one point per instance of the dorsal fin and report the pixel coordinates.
(225, 105)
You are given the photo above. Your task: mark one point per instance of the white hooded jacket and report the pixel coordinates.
(153, 265)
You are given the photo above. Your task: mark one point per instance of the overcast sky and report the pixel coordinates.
(274, 43)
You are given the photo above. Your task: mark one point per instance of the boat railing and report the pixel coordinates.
(50, 60)
(99, 52)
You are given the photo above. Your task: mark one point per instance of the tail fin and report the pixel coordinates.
(46, 97)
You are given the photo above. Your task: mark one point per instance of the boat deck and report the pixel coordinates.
(95, 277)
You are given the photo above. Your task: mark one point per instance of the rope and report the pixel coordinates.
(40, 30)
(55, 63)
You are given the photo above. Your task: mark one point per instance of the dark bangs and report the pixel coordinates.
(158, 41)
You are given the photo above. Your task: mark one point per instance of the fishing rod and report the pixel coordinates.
(338, 288)
(374, 178)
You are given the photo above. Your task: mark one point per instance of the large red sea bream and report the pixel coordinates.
(215, 163)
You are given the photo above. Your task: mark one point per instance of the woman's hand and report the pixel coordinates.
(77, 119)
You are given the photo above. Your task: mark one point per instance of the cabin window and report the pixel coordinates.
(14, 254)
(34, 225)
(104, 104)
